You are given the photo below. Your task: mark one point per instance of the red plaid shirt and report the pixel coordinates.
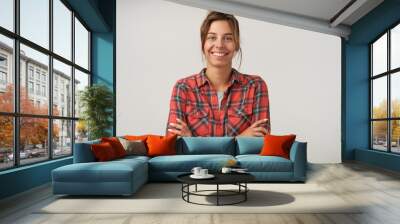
(195, 102)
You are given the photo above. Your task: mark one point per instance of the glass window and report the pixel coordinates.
(62, 29)
(379, 100)
(379, 135)
(30, 87)
(385, 125)
(62, 137)
(81, 81)
(40, 62)
(7, 14)
(81, 131)
(6, 73)
(81, 45)
(62, 72)
(379, 55)
(33, 140)
(395, 136)
(34, 80)
(34, 21)
(395, 95)
(6, 142)
(395, 47)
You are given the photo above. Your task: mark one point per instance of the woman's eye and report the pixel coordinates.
(228, 38)
(211, 38)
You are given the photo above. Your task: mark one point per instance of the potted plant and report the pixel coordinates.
(96, 102)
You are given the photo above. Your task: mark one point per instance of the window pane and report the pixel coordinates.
(81, 45)
(62, 29)
(395, 94)
(34, 78)
(395, 136)
(81, 81)
(81, 131)
(395, 47)
(6, 142)
(62, 89)
(33, 139)
(35, 21)
(379, 135)
(7, 14)
(62, 137)
(379, 100)
(6, 74)
(379, 55)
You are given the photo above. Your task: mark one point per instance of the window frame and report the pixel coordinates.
(15, 72)
(388, 74)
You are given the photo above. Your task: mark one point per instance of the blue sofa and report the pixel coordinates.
(125, 176)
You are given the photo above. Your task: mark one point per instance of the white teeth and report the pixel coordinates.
(218, 54)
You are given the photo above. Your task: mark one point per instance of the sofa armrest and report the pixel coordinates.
(83, 152)
(298, 155)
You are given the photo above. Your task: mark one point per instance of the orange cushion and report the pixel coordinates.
(135, 138)
(103, 151)
(116, 145)
(277, 145)
(161, 145)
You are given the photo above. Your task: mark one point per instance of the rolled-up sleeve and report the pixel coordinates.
(261, 104)
(177, 104)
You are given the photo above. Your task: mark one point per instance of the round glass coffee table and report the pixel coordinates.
(238, 179)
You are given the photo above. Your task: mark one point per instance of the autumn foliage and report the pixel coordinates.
(380, 127)
(33, 131)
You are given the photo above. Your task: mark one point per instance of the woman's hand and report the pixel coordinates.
(256, 129)
(180, 128)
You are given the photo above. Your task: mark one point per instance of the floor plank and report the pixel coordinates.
(376, 190)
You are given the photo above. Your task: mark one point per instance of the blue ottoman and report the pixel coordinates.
(118, 177)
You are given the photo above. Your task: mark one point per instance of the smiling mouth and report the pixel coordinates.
(219, 54)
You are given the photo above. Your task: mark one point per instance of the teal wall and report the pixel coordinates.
(356, 83)
(99, 15)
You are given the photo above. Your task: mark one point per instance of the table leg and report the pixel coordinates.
(245, 191)
(196, 188)
(217, 194)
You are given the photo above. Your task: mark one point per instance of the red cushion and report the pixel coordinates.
(116, 145)
(103, 151)
(277, 145)
(161, 145)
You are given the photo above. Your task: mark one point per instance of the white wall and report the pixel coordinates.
(158, 42)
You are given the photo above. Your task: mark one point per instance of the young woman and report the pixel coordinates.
(219, 101)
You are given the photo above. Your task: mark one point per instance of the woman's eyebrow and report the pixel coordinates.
(225, 34)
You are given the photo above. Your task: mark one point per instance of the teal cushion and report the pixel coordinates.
(257, 163)
(185, 163)
(111, 171)
(249, 145)
(206, 145)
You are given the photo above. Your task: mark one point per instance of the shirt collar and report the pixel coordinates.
(202, 78)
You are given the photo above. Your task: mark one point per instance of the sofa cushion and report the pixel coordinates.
(103, 152)
(161, 145)
(111, 171)
(249, 145)
(277, 145)
(185, 163)
(257, 163)
(206, 145)
(116, 145)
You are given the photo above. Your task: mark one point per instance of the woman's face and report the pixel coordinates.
(219, 47)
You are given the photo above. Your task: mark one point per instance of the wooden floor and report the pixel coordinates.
(377, 188)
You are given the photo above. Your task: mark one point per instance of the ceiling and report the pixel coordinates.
(326, 16)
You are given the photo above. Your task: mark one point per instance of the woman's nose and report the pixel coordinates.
(220, 42)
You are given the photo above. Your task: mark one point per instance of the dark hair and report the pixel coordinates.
(233, 23)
